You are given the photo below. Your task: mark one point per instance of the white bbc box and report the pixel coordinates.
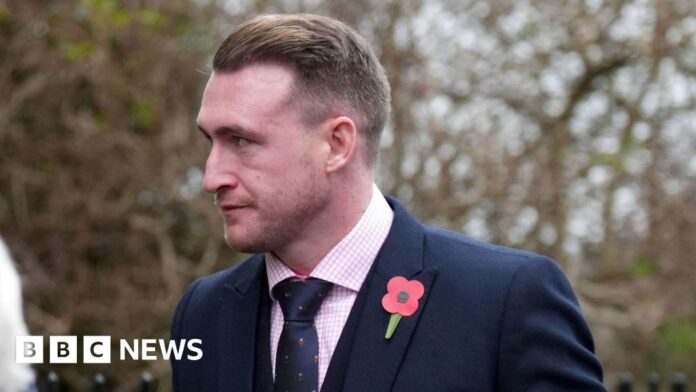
(63, 349)
(96, 349)
(29, 349)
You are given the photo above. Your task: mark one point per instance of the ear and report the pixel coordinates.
(343, 140)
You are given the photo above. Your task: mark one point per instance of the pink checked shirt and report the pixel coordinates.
(346, 266)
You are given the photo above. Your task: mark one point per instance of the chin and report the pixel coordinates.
(244, 245)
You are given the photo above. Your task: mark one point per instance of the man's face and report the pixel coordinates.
(265, 167)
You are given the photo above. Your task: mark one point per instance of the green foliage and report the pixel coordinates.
(102, 5)
(151, 18)
(614, 161)
(106, 14)
(143, 112)
(100, 118)
(679, 336)
(77, 51)
(644, 266)
(4, 14)
(121, 18)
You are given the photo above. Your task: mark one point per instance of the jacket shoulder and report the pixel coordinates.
(202, 297)
(445, 248)
(231, 277)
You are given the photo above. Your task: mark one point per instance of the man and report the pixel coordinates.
(347, 291)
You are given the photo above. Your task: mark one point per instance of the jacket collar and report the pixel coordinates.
(237, 325)
(374, 361)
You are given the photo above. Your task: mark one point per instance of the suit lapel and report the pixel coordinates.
(237, 327)
(374, 361)
(263, 377)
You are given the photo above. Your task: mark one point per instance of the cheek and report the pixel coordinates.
(286, 166)
(313, 158)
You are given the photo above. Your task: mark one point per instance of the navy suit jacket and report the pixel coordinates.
(491, 319)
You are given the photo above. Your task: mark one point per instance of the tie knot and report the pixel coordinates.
(300, 299)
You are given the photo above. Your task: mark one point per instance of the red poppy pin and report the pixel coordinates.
(401, 300)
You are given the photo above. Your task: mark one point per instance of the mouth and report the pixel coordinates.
(228, 206)
(232, 207)
(231, 210)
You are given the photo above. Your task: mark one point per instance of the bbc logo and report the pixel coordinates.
(97, 349)
(63, 349)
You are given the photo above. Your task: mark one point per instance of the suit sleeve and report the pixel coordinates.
(545, 343)
(176, 328)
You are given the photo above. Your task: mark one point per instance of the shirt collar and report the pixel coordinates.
(347, 263)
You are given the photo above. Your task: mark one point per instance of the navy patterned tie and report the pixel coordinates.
(298, 348)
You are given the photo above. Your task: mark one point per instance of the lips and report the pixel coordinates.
(231, 211)
(227, 204)
(229, 207)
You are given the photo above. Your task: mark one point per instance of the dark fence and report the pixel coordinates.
(627, 383)
(97, 383)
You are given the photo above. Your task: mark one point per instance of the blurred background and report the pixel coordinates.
(563, 127)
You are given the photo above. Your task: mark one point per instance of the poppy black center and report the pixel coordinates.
(402, 297)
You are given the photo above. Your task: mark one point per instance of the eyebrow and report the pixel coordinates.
(229, 130)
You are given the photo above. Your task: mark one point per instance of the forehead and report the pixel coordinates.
(253, 93)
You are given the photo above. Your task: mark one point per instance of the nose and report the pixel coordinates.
(219, 171)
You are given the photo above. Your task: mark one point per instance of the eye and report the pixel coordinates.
(240, 141)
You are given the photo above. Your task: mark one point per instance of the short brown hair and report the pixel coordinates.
(334, 66)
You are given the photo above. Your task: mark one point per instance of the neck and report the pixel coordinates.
(345, 210)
